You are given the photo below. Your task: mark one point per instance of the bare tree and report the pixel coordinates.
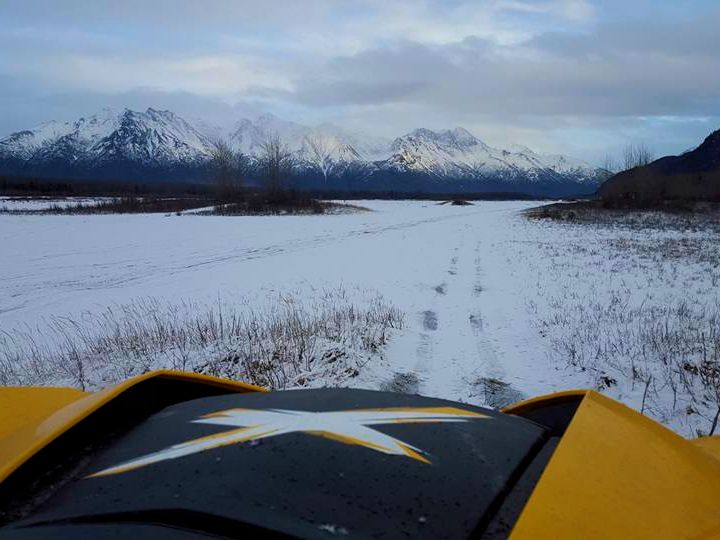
(320, 153)
(276, 164)
(636, 155)
(609, 167)
(229, 168)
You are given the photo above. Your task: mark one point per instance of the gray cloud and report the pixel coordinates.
(654, 70)
(571, 75)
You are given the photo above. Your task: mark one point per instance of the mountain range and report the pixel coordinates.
(155, 145)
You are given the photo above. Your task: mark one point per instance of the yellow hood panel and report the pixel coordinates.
(20, 406)
(619, 474)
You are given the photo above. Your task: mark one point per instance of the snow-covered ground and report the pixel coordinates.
(481, 286)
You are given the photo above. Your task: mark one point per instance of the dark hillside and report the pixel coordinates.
(694, 175)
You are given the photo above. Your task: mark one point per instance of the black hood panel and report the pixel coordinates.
(448, 469)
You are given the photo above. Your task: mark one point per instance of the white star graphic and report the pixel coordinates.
(348, 427)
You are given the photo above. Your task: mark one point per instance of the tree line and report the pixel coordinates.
(274, 166)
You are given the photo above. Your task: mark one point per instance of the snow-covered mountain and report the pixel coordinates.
(157, 137)
(153, 136)
(249, 134)
(161, 145)
(457, 154)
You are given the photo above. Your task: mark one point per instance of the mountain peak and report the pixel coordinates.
(705, 157)
(105, 112)
(454, 141)
(158, 112)
(462, 135)
(713, 140)
(458, 136)
(422, 133)
(519, 149)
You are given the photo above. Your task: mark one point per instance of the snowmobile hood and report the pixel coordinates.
(182, 456)
(303, 463)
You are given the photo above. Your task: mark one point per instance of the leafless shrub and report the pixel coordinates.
(291, 343)
(609, 167)
(636, 155)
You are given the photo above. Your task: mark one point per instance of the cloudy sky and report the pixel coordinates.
(577, 76)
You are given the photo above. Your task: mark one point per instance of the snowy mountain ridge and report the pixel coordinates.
(158, 136)
(457, 153)
(132, 141)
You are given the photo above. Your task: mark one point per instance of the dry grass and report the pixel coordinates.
(633, 303)
(291, 343)
(673, 215)
(653, 350)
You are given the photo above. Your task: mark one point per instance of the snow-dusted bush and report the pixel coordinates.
(292, 342)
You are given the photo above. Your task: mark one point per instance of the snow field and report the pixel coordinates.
(493, 303)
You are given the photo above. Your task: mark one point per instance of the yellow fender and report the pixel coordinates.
(619, 474)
